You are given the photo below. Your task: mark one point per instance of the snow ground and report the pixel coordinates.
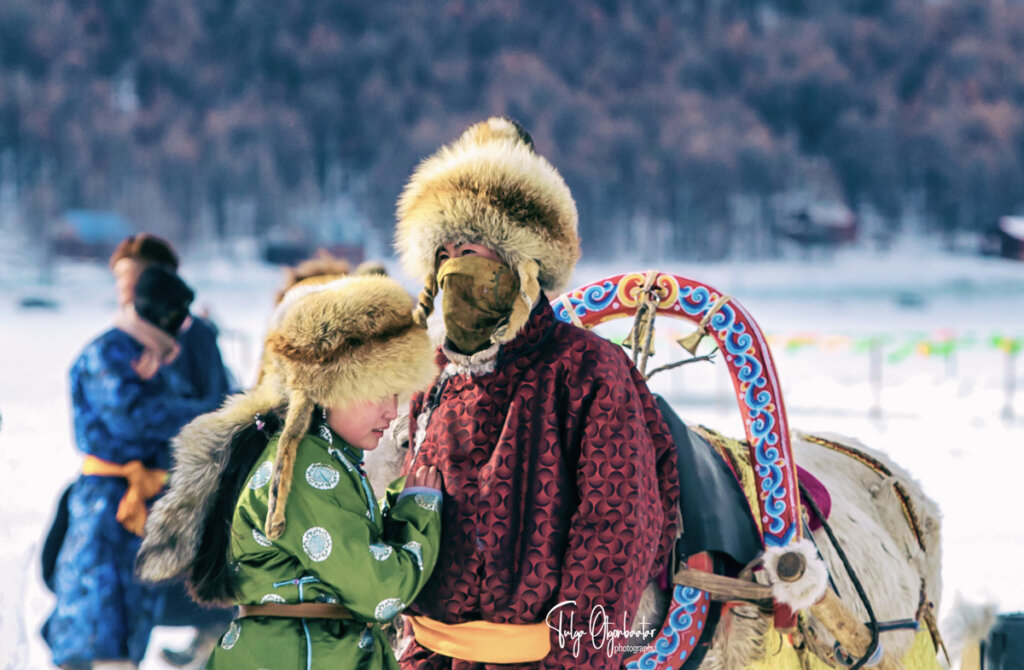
(942, 422)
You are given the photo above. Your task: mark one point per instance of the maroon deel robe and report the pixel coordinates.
(559, 484)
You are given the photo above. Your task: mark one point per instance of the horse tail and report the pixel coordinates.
(964, 628)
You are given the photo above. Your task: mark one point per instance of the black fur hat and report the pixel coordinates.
(163, 299)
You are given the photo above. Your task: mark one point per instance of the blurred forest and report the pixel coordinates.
(679, 126)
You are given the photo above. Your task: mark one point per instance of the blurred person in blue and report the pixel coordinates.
(125, 408)
(200, 373)
(200, 364)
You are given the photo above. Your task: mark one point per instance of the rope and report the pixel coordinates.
(643, 323)
(570, 310)
(905, 501)
(425, 301)
(909, 513)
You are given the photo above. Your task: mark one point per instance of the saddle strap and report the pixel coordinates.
(299, 611)
(725, 589)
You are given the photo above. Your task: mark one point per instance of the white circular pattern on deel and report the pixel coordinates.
(388, 609)
(322, 477)
(230, 638)
(316, 542)
(261, 477)
(431, 503)
(272, 598)
(381, 551)
(260, 538)
(416, 549)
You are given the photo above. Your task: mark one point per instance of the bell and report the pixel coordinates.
(692, 341)
(628, 342)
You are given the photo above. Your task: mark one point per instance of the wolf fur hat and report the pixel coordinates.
(490, 187)
(353, 340)
(350, 340)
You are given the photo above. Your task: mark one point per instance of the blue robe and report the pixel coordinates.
(102, 613)
(200, 364)
(202, 369)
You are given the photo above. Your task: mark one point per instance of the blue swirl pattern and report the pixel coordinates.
(757, 401)
(683, 627)
(595, 298)
(684, 624)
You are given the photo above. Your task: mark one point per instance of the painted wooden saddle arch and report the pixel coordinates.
(758, 395)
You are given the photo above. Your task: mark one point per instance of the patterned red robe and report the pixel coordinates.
(559, 484)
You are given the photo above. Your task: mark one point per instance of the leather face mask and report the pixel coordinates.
(478, 295)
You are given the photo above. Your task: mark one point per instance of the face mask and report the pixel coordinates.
(478, 294)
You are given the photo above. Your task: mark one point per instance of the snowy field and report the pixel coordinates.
(942, 419)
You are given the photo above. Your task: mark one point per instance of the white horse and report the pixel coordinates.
(889, 531)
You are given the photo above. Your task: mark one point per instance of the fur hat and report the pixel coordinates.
(349, 340)
(322, 267)
(490, 187)
(370, 268)
(145, 248)
(162, 299)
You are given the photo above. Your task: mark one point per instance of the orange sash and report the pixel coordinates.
(483, 641)
(143, 484)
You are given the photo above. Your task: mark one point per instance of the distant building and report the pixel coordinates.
(819, 224)
(90, 234)
(1007, 240)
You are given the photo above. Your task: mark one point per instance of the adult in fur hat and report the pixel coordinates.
(558, 468)
(269, 507)
(321, 267)
(125, 410)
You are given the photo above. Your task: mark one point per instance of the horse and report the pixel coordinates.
(802, 599)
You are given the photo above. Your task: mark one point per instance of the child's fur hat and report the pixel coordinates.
(347, 341)
(352, 339)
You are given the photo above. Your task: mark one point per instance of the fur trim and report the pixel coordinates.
(300, 411)
(740, 639)
(174, 527)
(480, 363)
(322, 267)
(351, 340)
(806, 590)
(490, 187)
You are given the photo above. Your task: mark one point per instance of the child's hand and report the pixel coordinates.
(147, 365)
(424, 476)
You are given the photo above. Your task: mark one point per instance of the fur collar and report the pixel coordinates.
(175, 524)
(480, 363)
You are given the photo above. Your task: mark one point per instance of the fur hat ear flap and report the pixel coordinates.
(529, 291)
(296, 423)
(425, 301)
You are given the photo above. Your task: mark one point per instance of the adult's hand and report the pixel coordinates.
(427, 476)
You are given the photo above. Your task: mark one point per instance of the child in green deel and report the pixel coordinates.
(269, 508)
